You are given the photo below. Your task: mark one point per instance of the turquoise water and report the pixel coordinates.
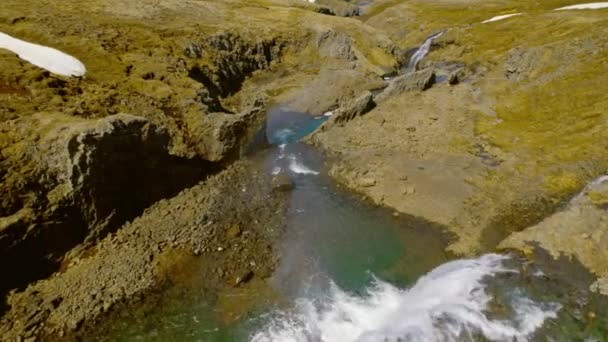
(331, 236)
(343, 259)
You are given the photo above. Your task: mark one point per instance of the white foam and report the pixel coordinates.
(284, 134)
(44, 57)
(276, 170)
(448, 304)
(500, 17)
(593, 5)
(297, 167)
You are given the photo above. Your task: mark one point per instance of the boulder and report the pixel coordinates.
(355, 108)
(415, 81)
(281, 182)
(222, 137)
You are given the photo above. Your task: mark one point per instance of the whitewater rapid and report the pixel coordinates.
(448, 304)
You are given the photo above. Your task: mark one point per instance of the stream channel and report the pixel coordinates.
(351, 271)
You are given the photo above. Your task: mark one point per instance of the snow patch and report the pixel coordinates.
(500, 17)
(44, 57)
(592, 5)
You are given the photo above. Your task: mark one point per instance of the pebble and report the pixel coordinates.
(409, 190)
(367, 182)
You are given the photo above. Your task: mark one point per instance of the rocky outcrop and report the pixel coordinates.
(226, 227)
(222, 137)
(330, 89)
(580, 230)
(336, 45)
(415, 81)
(74, 181)
(229, 60)
(339, 7)
(521, 62)
(355, 108)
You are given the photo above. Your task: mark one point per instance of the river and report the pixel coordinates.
(352, 271)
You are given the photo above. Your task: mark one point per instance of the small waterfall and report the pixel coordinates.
(594, 184)
(422, 51)
(448, 304)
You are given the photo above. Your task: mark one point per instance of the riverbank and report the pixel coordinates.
(500, 127)
(510, 140)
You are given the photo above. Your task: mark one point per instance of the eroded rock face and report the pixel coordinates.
(233, 59)
(221, 137)
(580, 230)
(339, 7)
(83, 180)
(226, 227)
(336, 45)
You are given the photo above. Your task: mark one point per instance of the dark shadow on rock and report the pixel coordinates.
(561, 280)
(515, 218)
(91, 178)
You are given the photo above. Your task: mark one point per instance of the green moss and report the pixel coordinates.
(599, 198)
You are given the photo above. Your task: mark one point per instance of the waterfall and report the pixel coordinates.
(422, 51)
(448, 304)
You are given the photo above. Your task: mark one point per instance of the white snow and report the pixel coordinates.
(500, 17)
(593, 5)
(44, 57)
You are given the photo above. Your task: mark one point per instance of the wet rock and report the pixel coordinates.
(355, 108)
(416, 81)
(281, 182)
(243, 277)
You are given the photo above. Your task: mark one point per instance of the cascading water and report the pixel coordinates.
(349, 271)
(422, 51)
(447, 304)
